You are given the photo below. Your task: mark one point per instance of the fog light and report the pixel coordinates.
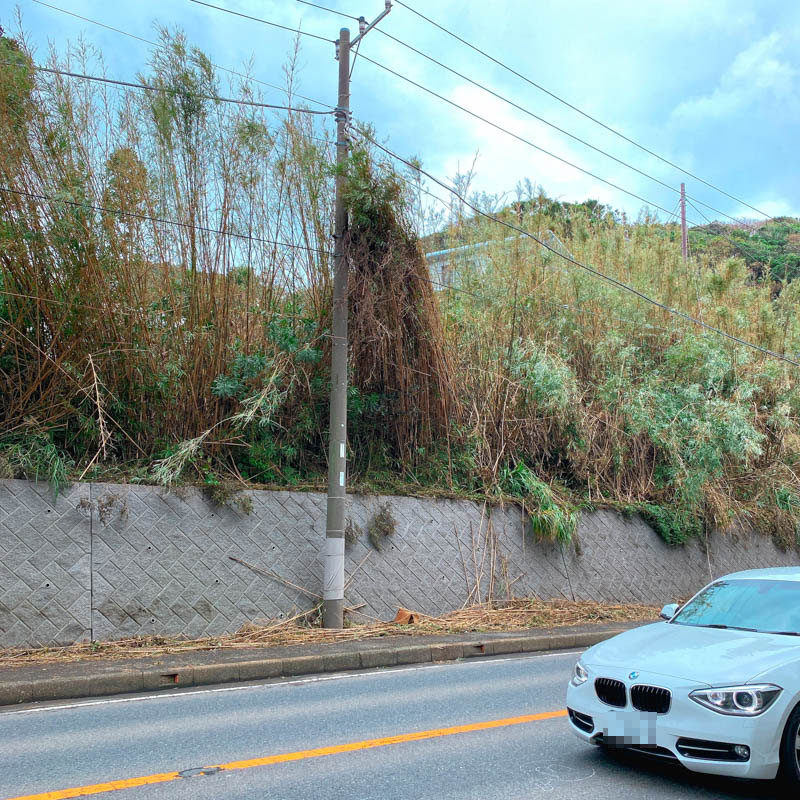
(742, 750)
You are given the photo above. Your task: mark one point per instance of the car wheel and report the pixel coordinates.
(790, 750)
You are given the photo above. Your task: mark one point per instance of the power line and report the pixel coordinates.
(516, 136)
(156, 44)
(148, 218)
(264, 21)
(554, 126)
(329, 10)
(413, 49)
(578, 110)
(120, 308)
(724, 235)
(607, 278)
(525, 110)
(543, 150)
(591, 270)
(489, 122)
(579, 309)
(536, 117)
(165, 89)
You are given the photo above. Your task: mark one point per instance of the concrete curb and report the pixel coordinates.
(95, 678)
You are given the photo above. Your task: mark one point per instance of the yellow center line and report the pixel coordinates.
(299, 755)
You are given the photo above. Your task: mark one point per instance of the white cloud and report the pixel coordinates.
(757, 71)
(774, 206)
(504, 161)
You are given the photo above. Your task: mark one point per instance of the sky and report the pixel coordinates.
(711, 85)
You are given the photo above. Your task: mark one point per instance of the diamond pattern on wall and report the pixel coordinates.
(160, 563)
(44, 565)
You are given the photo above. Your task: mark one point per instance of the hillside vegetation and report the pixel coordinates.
(136, 349)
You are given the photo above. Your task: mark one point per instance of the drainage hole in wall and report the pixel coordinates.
(47, 586)
(152, 620)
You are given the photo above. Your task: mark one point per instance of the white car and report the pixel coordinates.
(716, 686)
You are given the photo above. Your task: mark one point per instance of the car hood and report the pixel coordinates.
(703, 655)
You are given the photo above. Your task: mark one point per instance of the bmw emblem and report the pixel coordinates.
(633, 676)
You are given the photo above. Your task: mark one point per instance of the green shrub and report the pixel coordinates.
(546, 517)
(673, 526)
(34, 456)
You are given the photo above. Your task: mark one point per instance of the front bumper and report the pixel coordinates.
(659, 734)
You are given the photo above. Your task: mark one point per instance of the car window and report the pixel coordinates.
(762, 605)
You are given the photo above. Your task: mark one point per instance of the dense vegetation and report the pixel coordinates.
(771, 249)
(135, 349)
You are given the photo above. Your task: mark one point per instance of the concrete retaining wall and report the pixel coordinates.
(107, 561)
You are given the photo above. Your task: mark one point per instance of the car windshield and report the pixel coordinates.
(768, 606)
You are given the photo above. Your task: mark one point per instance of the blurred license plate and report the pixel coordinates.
(626, 728)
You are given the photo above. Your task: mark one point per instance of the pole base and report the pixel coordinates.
(333, 614)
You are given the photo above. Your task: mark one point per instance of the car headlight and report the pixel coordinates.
(579, 675)
(740, 701)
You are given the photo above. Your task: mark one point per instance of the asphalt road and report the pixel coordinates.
(51, 747)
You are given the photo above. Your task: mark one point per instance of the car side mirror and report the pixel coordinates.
(669, 611)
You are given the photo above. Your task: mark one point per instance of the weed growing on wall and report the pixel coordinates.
(381, 527)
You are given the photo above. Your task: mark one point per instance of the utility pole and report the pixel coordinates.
(333, 589)
(333, 580)
(684, 235)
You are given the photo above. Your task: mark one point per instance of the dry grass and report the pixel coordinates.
(304, 629)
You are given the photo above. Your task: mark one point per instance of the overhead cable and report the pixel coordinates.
(149, 218)
(578, 110)
(516, 136)
(117, 307)
(524, 110)
(740, 247)
(264, 21)
(586, 267)
(329, 10)
(156, 44)
(551, 124)
(165, 89)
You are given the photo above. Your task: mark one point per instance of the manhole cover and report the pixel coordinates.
(196, 771)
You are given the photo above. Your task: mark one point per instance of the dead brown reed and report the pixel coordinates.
(303, 629)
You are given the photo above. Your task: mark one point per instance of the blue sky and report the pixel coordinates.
(713, 85)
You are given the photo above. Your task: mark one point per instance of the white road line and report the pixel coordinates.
(277, 683)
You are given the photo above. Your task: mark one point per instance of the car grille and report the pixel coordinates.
(582, 721)
(611, 692)
(651, 698)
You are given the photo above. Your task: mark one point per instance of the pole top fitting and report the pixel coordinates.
(388, 5)
(341, 114)
(337, 49)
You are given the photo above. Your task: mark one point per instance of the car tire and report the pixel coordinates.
(790, 751)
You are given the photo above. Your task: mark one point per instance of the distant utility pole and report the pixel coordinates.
(684, 235)
(333, 581)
